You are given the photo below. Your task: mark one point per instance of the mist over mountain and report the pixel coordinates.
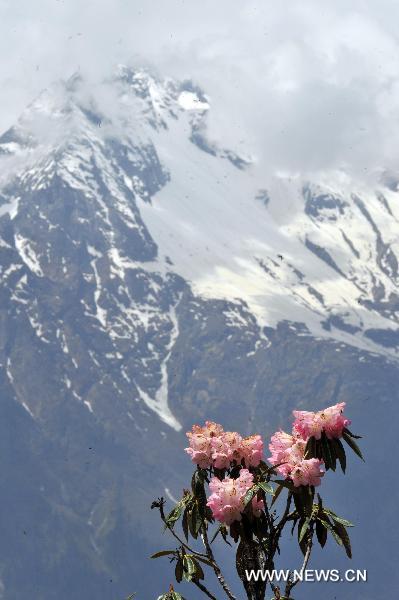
(151, 278)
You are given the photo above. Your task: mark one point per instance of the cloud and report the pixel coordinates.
(304, 86)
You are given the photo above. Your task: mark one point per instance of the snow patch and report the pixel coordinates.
(101, 313)
(28, 410)
(159, 404)
(10, 207)
(190, 101)
(88, 405)
(28, 255)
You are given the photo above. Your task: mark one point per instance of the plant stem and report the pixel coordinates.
(269, 518)
(216, 568)
(203, 589)
(283, 519)
(281, 523)
(181, 542)
(293, 583)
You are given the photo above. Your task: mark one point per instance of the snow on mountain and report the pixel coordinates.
(324, 255)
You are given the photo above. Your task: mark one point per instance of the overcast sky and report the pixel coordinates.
(303, 84)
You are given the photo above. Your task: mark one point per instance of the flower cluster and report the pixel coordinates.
(312, 424)
(288, 453)
(211, 446)
(288, 450)
(227, 498)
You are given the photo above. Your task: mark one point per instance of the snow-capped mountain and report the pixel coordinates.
(149, 278)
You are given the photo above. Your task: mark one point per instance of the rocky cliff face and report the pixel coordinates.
(151, 278)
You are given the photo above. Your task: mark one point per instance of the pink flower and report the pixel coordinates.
(312, 424)
(297, 451)
(280, 447)
(290, 450)
(210, 446)
(201, 440)
(287, 450)
(335, 420)
(251, 450)
(307, 424)
(227, 498)
(307, 472)
(225, 449)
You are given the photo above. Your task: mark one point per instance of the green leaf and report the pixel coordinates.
(277, 492)
(352, 435)
(198, 572)
(300, 524)
(179, 570)
(175, 596)
(307, 498)
(190, 565)
(192, 521)
(197, 522)
(184, 523)
(321, 533)
(331, 529)
(304, 529)
(223, 531)
(351, 442)
(250, 494)
(266, 487)
(197, 484)
(163, 553)
(298, 501)
(311, 448)
(218, 530)
(235, 530)
(315, 511)
(332, 454)
(340, 519)
(295, 521)
(343, 535)
(308, 449)
(286, 483)
(318, 449)
(340, 453)
(302, 543)
(175, 514)
(188, 568)
(327, 456)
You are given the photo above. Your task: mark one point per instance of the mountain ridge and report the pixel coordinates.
(279, 268)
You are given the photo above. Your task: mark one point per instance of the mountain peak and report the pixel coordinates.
(320, 253)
